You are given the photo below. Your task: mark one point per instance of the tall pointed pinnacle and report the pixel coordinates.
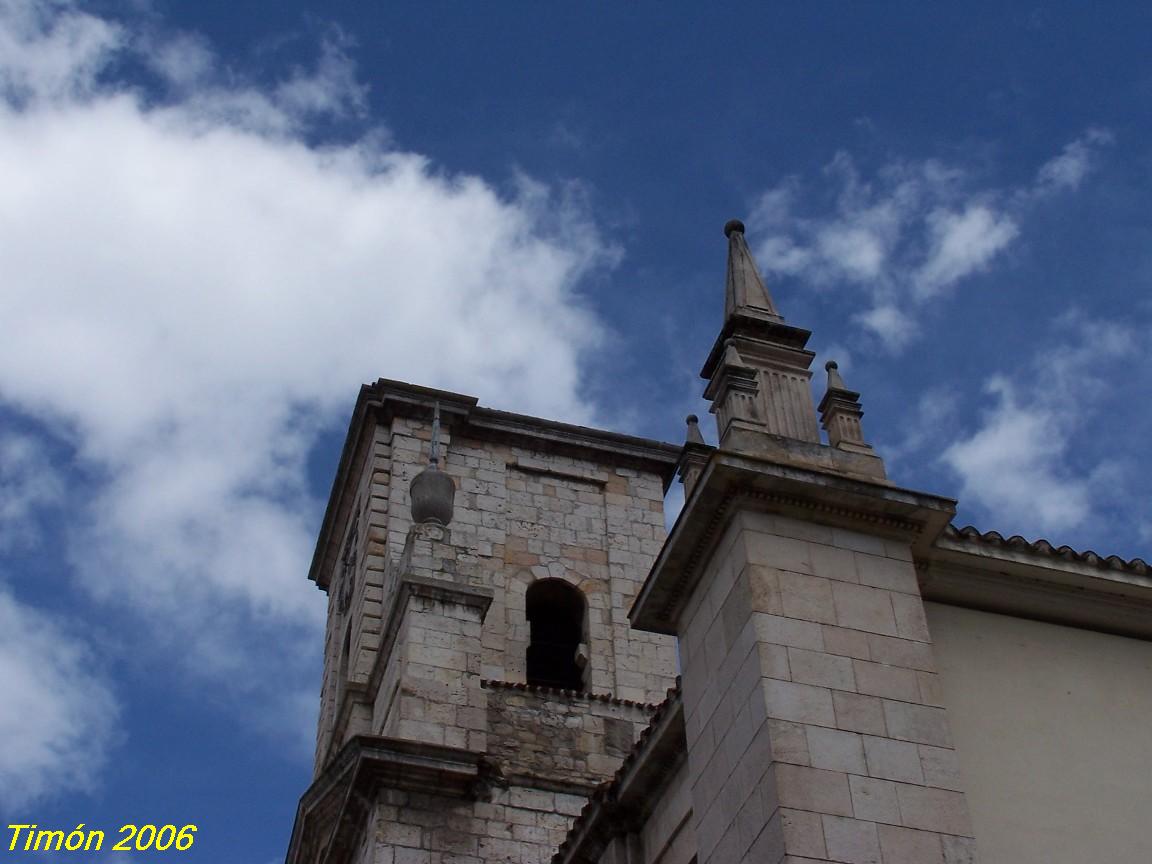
(757, 370)
(744, 290)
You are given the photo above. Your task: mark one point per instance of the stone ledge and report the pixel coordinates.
(344, 792)
(731, 482)
(557, 692)
(444, 591)
(386, 398)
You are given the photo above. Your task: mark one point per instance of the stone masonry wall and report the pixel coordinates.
(516, 826)
(552, 734)
(813, 717)
(523, 515)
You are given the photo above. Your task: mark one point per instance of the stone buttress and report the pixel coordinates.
(813, 721)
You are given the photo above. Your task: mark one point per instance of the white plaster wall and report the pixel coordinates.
(1053, 726)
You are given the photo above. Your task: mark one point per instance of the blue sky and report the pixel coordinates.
(217, 219)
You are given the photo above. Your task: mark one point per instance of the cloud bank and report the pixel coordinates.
(1047, 453)
(907, 236)
(195, 288)
(58, 719)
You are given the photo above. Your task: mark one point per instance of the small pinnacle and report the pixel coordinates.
(733, 225)
(835, 382)
(694, 434)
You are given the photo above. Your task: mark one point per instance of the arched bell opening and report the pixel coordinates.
(556, 613)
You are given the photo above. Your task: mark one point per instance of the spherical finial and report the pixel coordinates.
(695, 436)
(733, 225)
(432, 494)
(830, 365)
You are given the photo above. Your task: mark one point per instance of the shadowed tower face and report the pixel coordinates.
(480, 674)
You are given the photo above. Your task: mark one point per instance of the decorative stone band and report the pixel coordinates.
(571, 695)
(347, 788)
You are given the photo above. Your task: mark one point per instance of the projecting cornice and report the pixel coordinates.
(1037, 580)
(378, 403)
(733, 482)
(343, 793)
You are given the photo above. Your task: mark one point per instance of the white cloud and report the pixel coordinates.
(28, 483)
(924, 427)
(57, 717)
(894, 327)
(1069, 169)
(1013, 465)
(192, 292)
(961, 243)
(906, 236)
(1038, 460)
(49, 51)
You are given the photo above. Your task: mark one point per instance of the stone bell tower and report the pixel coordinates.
(813, 722)
(480, 674)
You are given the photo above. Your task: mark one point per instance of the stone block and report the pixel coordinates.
(941, 767)
(911, 622)
(874, 799)
(835, 750)
(893, 760)
(887, 573)
(958, 850)
(906, 653)
(750, 820)
(769, 846)
(788, 631)
(789, 742)
(821, 669)
(858, 542)
(814, 789)
(833, 563)
(904, 846)
(803, 833)
(930, 691)
(783, 553)
(852, 841)
(847, 643)
(933, 809)
(773, 661)
(532, 799)
(863, 608)
(764, 589)
(807, 597)
(920, 723)
(892, 682)
(800, 703)
(857, 713)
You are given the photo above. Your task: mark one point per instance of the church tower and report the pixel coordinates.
(481, 677)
